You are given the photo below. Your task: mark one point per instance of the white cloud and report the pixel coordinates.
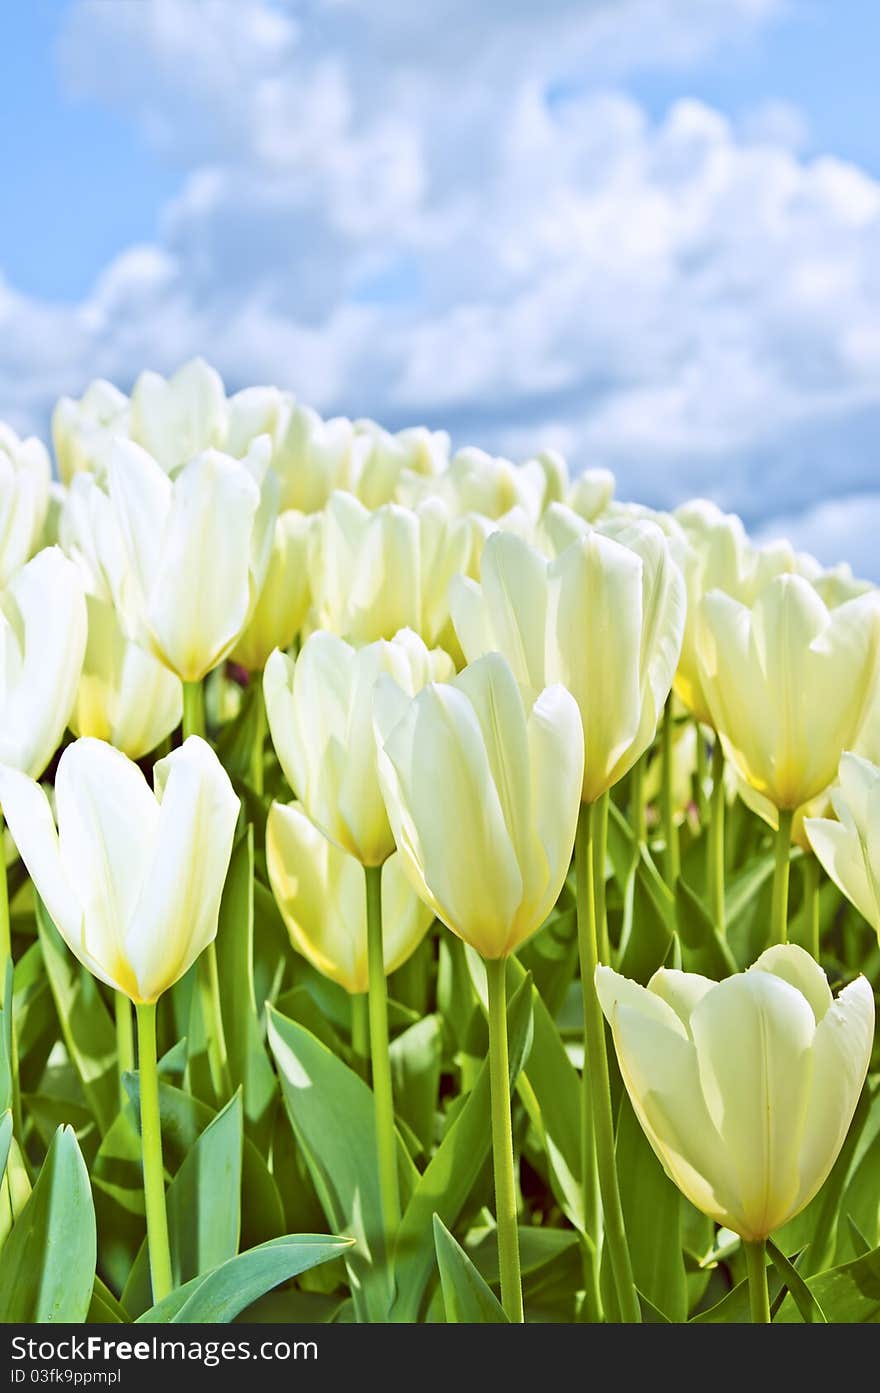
(415, 212)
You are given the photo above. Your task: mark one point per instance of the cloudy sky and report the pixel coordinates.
(644, 231)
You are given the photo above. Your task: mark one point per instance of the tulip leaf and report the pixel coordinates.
(700, 934)
(104, 1309)
(218, 1296)
(5, 1139)
(652, 1213)
(331, 1112)
(849, 1294)
(454, 1169)
(466, 1296)
(801, 1294)
(86, 1025)
(203, 1205)
(48, 1267)
(857, 1238)
(416, 1056)
(249, 1064)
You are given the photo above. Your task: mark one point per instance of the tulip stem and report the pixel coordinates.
(596, 1080)
(601, 855)
(715, 839)
(637, 815)
(207, 974)
(502, 1142)
(258, 747)
(193, 709)
(5, 927)
(811, 904)
(151, 1150)
(383, 1096)
(759, 1295)
(124, 1041)
(360, 1033)
(7, 968)
(671, 859)
(779, 912)
(702, 771)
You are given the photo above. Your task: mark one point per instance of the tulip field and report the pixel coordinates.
(435, 889)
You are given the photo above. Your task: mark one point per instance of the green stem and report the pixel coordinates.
(702, 800)
(502, 1142)
(637, 815)
(671, 859)
(596, 1070)
(193, 709)
(258, 747)
(207, 975)
(715, 839)
(601, 855)
(383, 1097)
(811, 903)
(7, 966)
(591, 1247)
(124, 1042)
(360, 1033)
(5, 927)
(151, 1149)
(779, 912)
(759, 1295)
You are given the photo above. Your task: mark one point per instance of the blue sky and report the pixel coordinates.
(645, 231)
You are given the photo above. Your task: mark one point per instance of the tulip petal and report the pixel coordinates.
(514, 583)
(556, 755)
(841, 1054)
(757, 1092)
(28, 814)
(683, 991)
(842, 854)
(140, 492)
(175, 917)
(796, 966)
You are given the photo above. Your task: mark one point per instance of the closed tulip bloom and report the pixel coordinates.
(252, 412)
(717, 555)
(412, 454)
(42, 642)
(603, 618)
(591, 493)
(745, 1088)
(476, 482)
(125, 695)
(281, 610)
(179, 417)
(82, 430)
(320, 713)
(131, 876)
(90, 534)
(482, 793)
(313, 457)
(25, 473)
(198, 549)
(377, 572)
(319, 890)
(788, 683)
(849, 849)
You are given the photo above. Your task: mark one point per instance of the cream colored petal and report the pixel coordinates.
(175, 916)
(141, 496)
(514, 583)
(680, 990)
(753, 1036)
(841, 854)
(841, 1054)
(25, 807)
(796, 966)
(555, 739)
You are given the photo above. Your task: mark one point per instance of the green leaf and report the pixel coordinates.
(848, 1295)
(5, 1139)
(699, 933)
(466, 1296)
(652, 1213)
(203, 1205)
(415, 1067)
(249, 1064)
(454, 1169)
(88, 1031)
(104, 1308)
(331, 1113)
(219, 1296)
(801, 1294)
(48, 1267)
(857, 1238)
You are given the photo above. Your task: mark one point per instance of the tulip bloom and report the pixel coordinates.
(849, 849)
(281, 609)
(24, 499)
(82, 430)
(131, 877)
(603, 618)
(410, 455)
(486, 837)
(198, 548)
(314, 457)
(376, 573)
(745, 1088)
(177, 418)
(43, 631)
(319, 890)
(125, 695)
(320, 710)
